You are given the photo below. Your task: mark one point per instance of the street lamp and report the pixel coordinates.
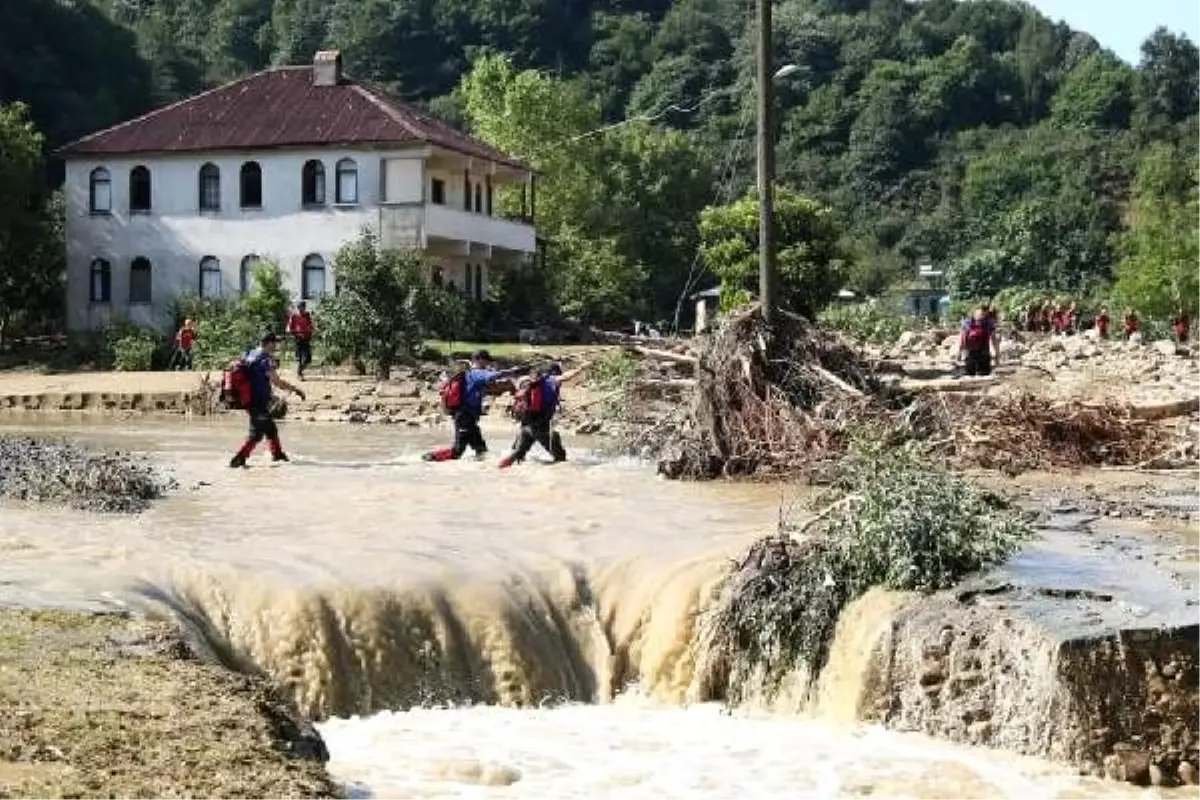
(767, 277)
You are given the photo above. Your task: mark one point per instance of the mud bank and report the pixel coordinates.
(1064, 653)
(100, 705)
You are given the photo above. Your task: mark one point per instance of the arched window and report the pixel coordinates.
(478, 198)
(347, 182)
(139, 189)
(100, 191)
(312, 183)
(210, 187)
(312, 281)
(100, 290)
(210, 277)
(251, 185)
(246, 274)
(139, 280)
(479, 281)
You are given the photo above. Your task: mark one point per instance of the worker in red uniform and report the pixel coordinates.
(1103, 321)
(300, 328)
(185, 340)
(1183, 326)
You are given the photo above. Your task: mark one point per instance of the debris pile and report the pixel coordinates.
(767, 407)
(61, 472)
(768, 404)
(1020, 431)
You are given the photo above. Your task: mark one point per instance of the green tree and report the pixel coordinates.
(597, 283)
(1160, 252)
(1097, 93)
(385, 305)
(31, 245)
(810, 257)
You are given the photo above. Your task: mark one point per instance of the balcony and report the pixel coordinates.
(415, 224)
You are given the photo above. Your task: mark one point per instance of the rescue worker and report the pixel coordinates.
(976, 341)
(538, 400)
(185, 340)
(1182, 325)
(261, 374)
(468, 389)
(1103, 322)
(300, 328)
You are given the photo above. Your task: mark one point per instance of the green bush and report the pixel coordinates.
(614, 369)
(132, 348)
(877, 323)
(227, 326)
(900, 521)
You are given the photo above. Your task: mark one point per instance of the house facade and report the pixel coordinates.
(288, 165)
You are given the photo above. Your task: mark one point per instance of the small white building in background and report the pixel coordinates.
(287, 164)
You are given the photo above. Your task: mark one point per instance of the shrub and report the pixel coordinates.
(901, 522)
(876, 323)
(614, 369)
(226, 326)
(385, 305)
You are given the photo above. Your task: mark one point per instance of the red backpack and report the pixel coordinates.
(530, 399)
(454, 391)
(235, 384)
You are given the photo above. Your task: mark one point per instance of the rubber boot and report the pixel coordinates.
(441, 454)
(237, 461)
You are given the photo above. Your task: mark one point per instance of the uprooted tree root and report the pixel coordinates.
(760, 400)
(788, 403)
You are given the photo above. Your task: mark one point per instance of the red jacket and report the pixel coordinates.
(300, 325)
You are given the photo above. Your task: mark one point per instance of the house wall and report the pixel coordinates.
(175, 235)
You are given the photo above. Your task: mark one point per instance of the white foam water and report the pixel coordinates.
(634, 748)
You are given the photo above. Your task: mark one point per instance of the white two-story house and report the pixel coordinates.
(287, 164)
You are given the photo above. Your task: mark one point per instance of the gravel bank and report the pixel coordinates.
(56, 471)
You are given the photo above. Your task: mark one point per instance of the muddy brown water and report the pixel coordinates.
(364, 579)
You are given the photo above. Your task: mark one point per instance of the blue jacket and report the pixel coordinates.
(551, 393)
(476, 388)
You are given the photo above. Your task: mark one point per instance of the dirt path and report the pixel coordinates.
(102, 706)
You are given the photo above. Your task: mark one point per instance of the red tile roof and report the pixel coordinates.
(277, 108)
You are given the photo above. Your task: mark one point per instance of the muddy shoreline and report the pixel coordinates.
(104, 705)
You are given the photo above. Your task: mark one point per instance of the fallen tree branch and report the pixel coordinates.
(665, 355)
(823, 513)
(836, 381)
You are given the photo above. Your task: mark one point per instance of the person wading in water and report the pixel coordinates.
(252, 377)
(462, 397)
(538, 399)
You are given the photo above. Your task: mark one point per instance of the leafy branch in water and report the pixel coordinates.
(901, 522)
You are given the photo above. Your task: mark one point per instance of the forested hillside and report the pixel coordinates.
(977, 134)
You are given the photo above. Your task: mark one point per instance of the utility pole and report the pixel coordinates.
(767, 279)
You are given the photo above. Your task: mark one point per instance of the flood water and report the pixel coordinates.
(555, 604)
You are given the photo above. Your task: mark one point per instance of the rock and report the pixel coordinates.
(1157, 778)
(906, 339)
(998, 636)
(1188, 773)
(1166, 347)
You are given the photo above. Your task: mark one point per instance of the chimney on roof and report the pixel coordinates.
(327, 68)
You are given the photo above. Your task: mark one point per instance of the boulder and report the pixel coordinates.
(1061, 654)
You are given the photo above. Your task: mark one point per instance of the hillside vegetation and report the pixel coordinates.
(978, 135)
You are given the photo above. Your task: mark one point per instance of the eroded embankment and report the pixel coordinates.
(1045, 656)
(98, 705)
